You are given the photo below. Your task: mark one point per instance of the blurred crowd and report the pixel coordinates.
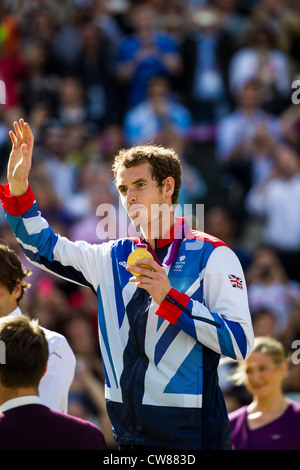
(211, 79)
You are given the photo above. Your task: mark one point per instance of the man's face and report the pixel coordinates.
(140, 194)
(8, 301)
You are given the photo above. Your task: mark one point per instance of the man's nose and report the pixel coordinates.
(131, 197)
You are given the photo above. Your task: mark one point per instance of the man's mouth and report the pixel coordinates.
(135, 210)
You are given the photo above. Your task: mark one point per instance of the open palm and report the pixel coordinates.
(20, 158)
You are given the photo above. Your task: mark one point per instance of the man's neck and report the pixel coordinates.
(158, 229)
(16, 311)
(7, 394)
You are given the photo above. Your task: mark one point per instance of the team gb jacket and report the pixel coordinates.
(160, 361)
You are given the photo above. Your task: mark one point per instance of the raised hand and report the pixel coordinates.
(20, 158)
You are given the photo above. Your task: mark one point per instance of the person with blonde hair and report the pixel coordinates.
(271, 421)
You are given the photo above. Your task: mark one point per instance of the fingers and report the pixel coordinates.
(141, 281)
(22, 134)
(16, 137)
(13, 140)
(155, 282)
(18, 132)
(27, 132)
(153, 265)
(155, 272)
(143, 273)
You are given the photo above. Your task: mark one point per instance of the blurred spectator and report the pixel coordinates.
(77, 139)
(193, 187)
(221, 223)
(10, 34)
(12, 67)
(71, 101)
(38, 116)
(96, 187)
(95, 67)
(233, 21)
(144, 54)
(271, 421)
(81, 333)
(291, 383)
(38, 85)
(171, 18)
(270, 288)
(53, 153)
(87, 390)
(245, 139)
(4, 144)
(39, 22)
(206, 50)
(109, 16)
(238, 132)
(51, 205)
(48, 302)
(87, 399)
(262, 60)
(292, 330)
(159, 114)
(290, 124)
(66, 43)
(235, 394)
(264, 322)
(275, 201)
(111, 139)
(233, 400)
(282, 17)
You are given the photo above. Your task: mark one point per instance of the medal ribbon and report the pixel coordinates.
(178, 238)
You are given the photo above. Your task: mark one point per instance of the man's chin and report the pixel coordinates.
(137, 222)
(139, 218)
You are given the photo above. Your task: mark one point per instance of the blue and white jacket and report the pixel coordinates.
(160, 361)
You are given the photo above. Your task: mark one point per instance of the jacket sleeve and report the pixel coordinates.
(222, 322)
(79, 262)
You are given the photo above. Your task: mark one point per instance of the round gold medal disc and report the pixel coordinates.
(137, 254)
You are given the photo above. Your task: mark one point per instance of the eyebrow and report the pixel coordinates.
(139, 180)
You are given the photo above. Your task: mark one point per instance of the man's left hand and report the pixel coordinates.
(153, 280)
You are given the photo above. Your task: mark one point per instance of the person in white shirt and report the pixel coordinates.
(55, 384)
(277, 202)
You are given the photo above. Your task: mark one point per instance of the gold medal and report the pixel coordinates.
(140, 252)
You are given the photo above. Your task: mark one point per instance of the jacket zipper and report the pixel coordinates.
(133, 374)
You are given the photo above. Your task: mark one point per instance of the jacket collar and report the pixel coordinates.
(174, 236)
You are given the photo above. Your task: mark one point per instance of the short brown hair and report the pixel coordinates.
(12, 271)
(164, 162)
(26, 352)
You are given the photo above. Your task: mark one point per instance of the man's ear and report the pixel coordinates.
(17, 290)
(169, 186)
